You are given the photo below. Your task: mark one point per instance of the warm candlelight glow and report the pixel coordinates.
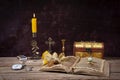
(34, 24)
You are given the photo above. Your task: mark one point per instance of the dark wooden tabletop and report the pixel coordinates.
(6, 73)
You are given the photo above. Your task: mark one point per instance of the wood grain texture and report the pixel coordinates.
(6, 73)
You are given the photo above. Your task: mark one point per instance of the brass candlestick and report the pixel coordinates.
(35, 48)
(63, 46)
(35, 53)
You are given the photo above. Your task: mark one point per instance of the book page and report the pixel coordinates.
(96, 67)
(64, 66)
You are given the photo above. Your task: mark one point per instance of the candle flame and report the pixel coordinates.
(33, 14)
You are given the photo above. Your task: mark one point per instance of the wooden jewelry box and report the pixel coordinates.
(85, 49)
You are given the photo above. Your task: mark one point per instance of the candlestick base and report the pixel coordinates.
(35, 53)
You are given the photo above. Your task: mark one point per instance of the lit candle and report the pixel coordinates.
(34, 24)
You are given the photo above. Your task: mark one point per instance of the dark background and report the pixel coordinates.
(73, 20)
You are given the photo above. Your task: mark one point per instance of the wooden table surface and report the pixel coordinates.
(6, 73)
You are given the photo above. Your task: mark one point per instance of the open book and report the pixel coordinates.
(76, 65)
